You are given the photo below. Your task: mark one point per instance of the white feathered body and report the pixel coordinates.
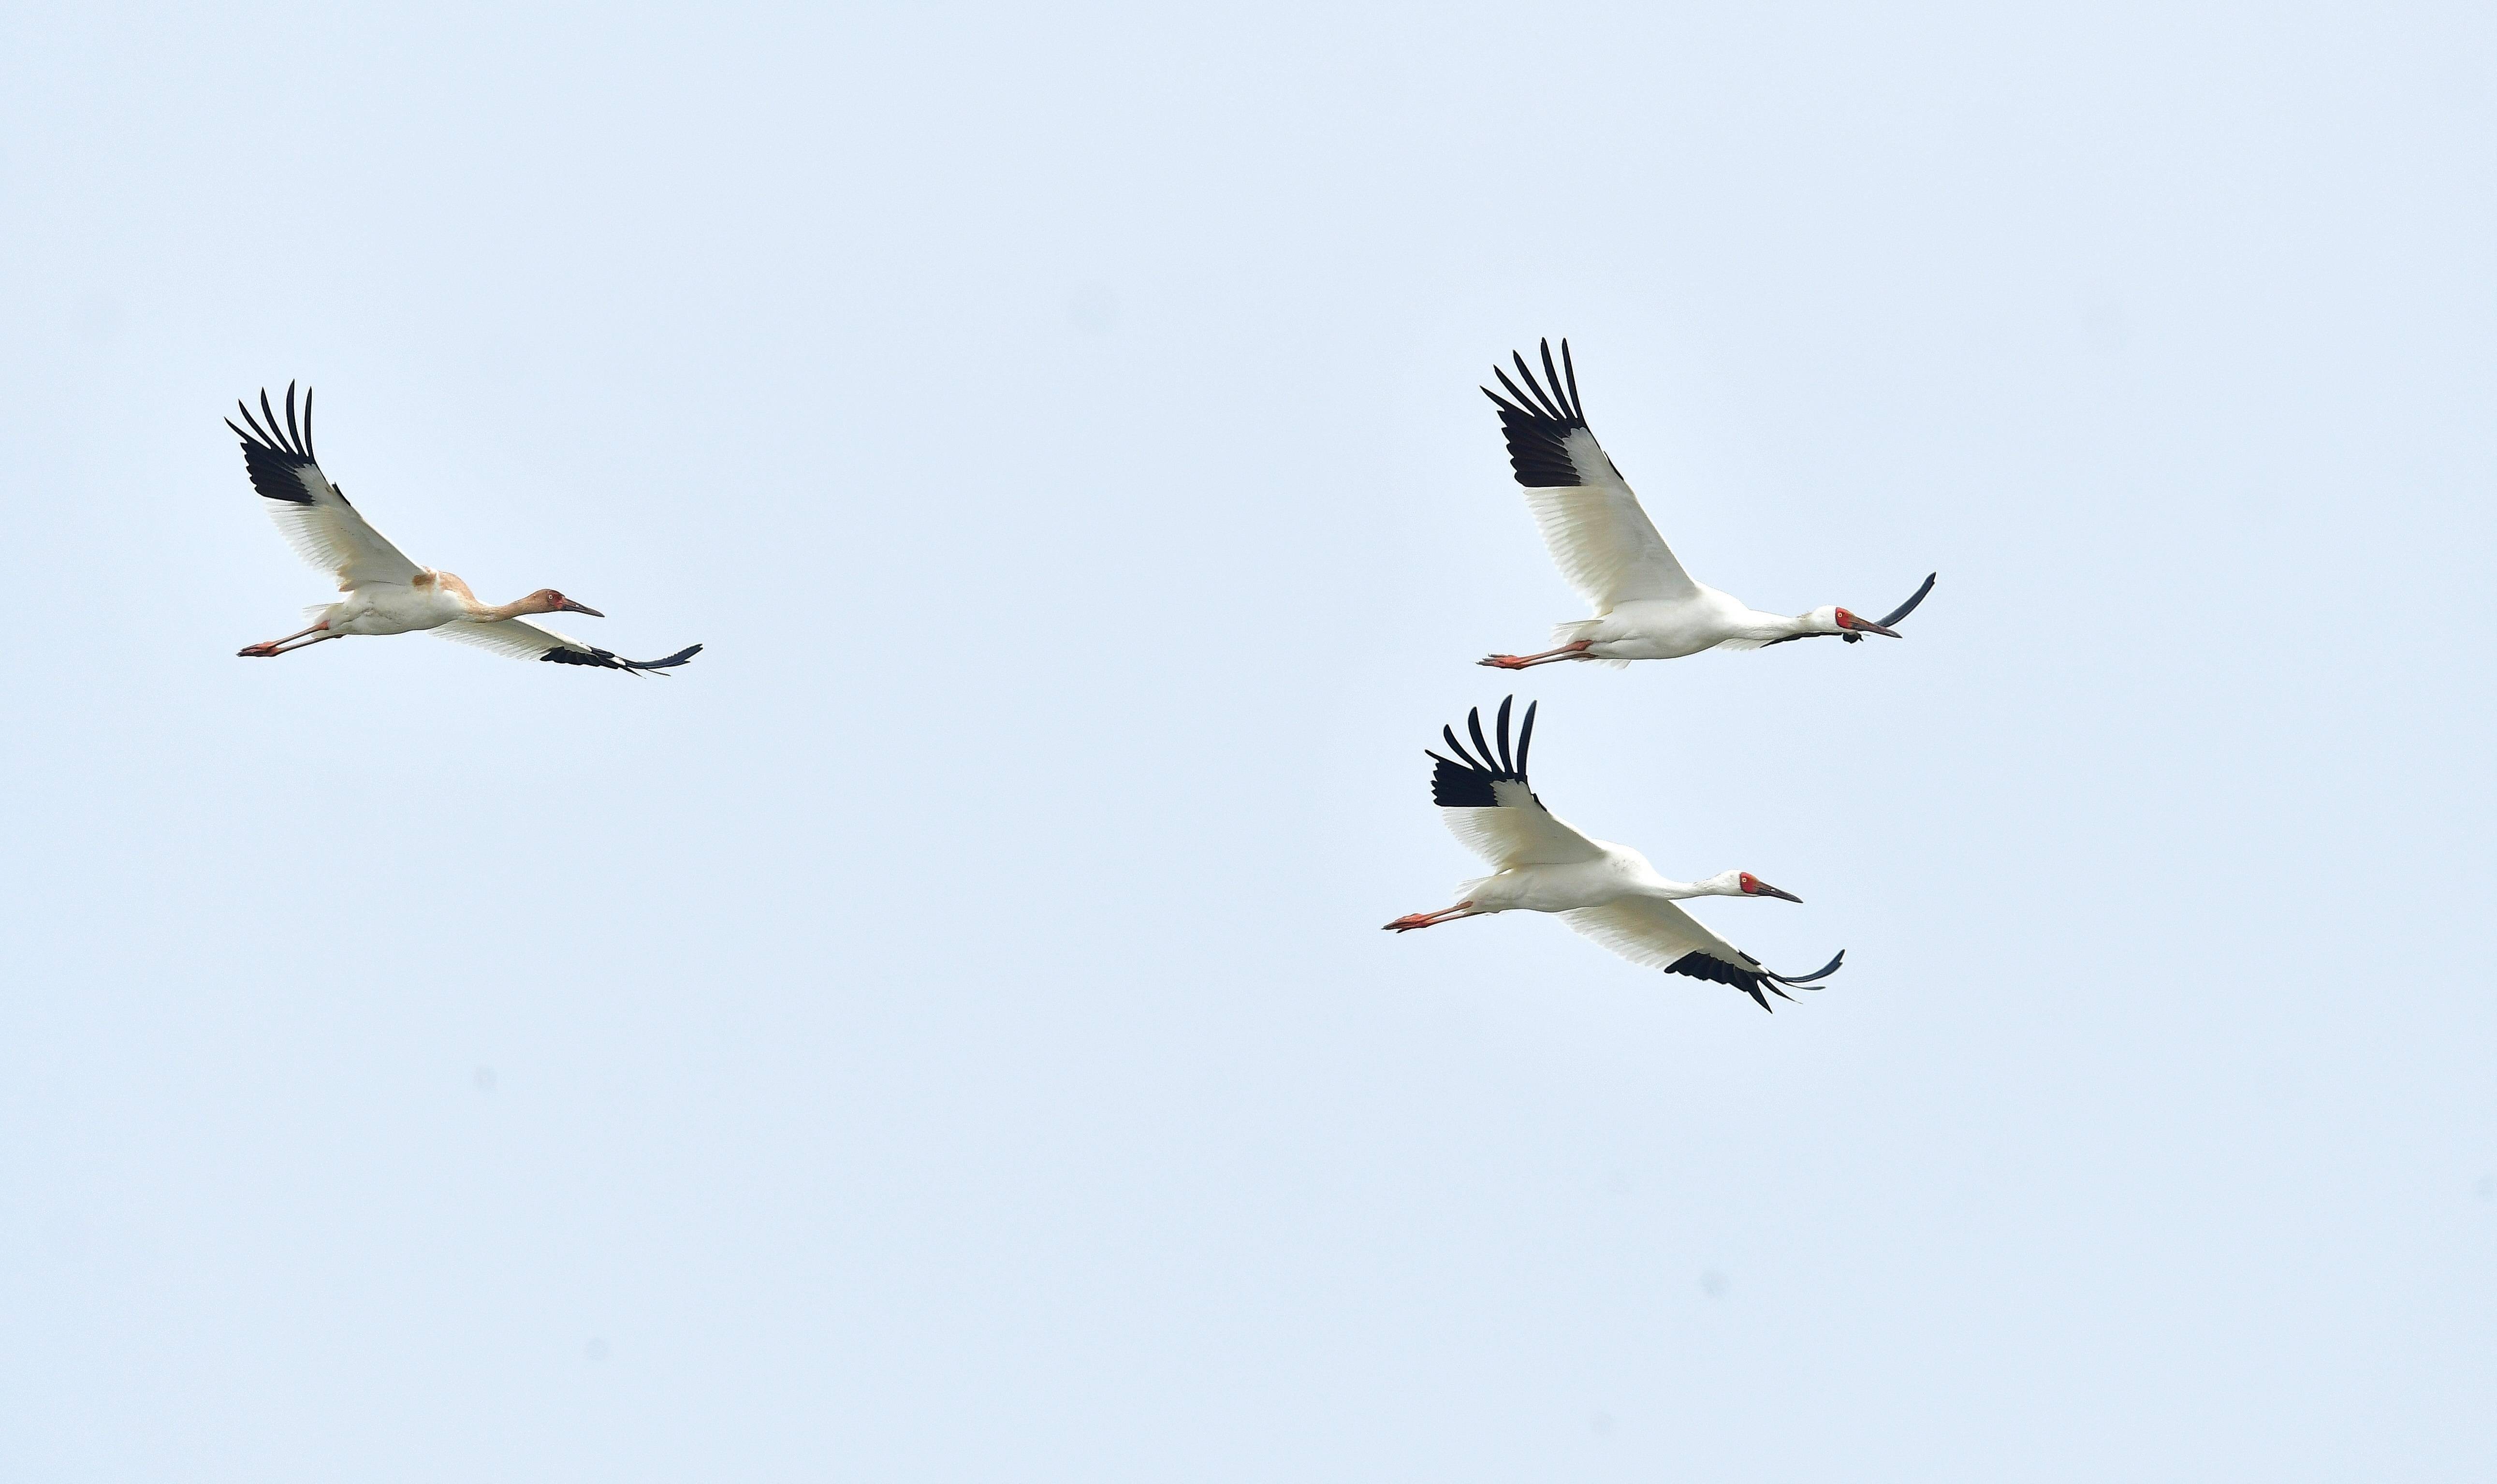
(1542, 862)
(1646, 606)
(400, 607)
(1616, 873)
(1670, 628)
(385, 592)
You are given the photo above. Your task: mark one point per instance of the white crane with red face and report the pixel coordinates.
(1647, 607)
(1605, 891)
(386, 593)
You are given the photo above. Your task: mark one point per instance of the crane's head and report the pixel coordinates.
(546, 600)
(1834, 619)
(1742, 883)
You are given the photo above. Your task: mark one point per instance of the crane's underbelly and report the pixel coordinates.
(1548, 888)
(1654, 646)
(394, 608)
(1657, 630)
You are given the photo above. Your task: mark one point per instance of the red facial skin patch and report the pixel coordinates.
(1750, 883)
(1846, 619)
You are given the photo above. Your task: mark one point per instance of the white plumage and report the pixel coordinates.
(386, 593)
(1602, 541)
(1607, 892)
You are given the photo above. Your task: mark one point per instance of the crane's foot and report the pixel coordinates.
(257, 651)
(1503, 661)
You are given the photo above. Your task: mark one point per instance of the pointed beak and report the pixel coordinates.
(570, 607)
(1763, 889)
(1868, 626)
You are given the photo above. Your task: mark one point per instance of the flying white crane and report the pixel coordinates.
(1605, 891)
(386, 593)
(1647, 607)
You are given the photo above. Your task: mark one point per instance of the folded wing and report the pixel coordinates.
(1598, 536)
(1489, 807)
(520, 638)
(1659, 934)
(310, 513)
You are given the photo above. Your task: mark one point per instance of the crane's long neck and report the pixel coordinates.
(1662, 890)
(517, 608)
(1757, 625)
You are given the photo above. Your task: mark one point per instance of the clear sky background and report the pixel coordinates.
(944, 1031)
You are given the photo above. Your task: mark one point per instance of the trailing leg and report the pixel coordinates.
(1413, 920)
(1574, 649)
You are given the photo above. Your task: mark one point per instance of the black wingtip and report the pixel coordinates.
(678, 658)
(1474, 728)
(287, 435)
(1806, 981)
(1465, 781)
(1538, 416)
(1747, 976)
(607, 659)
(1909, 606)
(1552, 374)
(276, 453)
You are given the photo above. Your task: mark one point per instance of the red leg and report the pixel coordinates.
(1570, 650)
(270, 650)
(1413, 920)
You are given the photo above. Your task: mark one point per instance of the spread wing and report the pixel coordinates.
(1602, 540)
(1659, 934)
(1489, 807)
(522, 640)
(310, 513)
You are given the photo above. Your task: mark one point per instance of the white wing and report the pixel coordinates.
(520, 638)
(1600, 538)
(1491, 809)
(1659, 934)
(1653, 934)
(310, 513)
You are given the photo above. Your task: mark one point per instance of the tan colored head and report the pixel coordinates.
(546, 600)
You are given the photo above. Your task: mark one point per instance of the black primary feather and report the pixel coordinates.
(1748, 976)
(1468, 784)
(274, 458)
(1538, 424)
(604, 659)
(1909, 606)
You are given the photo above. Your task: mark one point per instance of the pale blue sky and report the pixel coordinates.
(944, 1033)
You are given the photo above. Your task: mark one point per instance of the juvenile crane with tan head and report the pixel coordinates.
(385, 592)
